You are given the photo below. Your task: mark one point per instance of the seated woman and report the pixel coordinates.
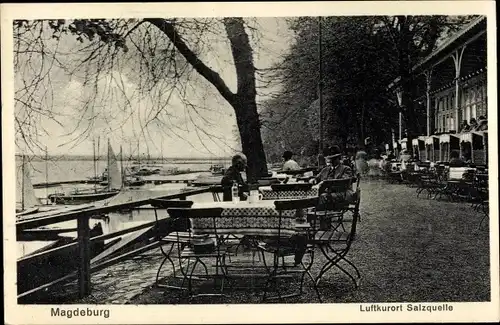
(482, 124)
(465, 127)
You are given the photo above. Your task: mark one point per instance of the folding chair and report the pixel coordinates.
(333, 202)
(485, 207)
(283, 246)
(291, 187)
(178, 234)
(208, 236)
(335, 245)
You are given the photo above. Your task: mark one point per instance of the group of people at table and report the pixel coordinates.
(335, 168)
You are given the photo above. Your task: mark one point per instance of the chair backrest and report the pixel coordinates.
(162, 203)
(291, 187)
(216, 191)
(180, 224)
(267, 181)
(282, 205)
(355, 218)
(335, 185)
(194, 213)
(357, 179)
(456, 173)
(206, 218)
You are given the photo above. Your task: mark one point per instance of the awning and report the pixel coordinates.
(422, 138)
(429, 140)
(414, 142)
(466, 137)
(444, 138)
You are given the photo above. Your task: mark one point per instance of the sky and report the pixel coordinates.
(121, 112)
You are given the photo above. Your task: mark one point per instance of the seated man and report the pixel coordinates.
(289, 164)
(232, 175)
(455, 160)
(336, 170)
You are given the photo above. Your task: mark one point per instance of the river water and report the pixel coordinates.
(41, 172)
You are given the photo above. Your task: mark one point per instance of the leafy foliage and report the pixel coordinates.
(361, 56)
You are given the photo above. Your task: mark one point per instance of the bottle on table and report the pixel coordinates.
(235, 193)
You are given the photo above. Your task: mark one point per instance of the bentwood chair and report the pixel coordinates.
(174, 235)
(283, 245)
(335, 244)
(202, 245)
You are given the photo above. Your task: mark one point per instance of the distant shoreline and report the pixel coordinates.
(142, 160)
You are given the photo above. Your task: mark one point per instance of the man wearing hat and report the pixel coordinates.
(289, 164)
(335, 170)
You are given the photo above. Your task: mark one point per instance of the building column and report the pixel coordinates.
(399, 93)
(457, 58)
(428, 78)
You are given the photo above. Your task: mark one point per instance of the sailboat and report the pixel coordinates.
(29, 202)
(114, 185)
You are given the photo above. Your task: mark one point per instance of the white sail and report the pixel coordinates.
(114, 173)
(26, 197)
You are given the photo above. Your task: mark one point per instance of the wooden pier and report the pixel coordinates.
(197, 179)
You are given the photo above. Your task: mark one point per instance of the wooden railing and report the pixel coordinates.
(83, 239)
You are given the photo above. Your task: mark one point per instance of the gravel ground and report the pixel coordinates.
(407, 249)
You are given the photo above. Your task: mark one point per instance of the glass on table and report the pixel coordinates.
(281, 178)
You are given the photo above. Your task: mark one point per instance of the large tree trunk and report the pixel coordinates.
(246, 106)
(244, 101)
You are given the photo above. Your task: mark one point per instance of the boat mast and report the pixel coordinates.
(98, 148)
(46, 174)
(121, 166)
(95, 167)
(138, 155)
(22, 185)
(109, 183)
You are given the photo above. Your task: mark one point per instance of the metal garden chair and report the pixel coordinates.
(201, 245)
(282, 246)
(175, 237)
(335, 245)
(333, 203)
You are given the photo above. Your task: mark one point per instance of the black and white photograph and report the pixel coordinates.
(167, 157)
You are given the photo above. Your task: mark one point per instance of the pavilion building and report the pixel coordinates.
(450, 87)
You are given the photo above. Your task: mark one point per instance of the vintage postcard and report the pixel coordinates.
(250, 162)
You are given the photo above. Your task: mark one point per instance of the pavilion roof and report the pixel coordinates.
(475, 27)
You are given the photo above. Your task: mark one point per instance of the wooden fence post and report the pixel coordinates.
(84, 256)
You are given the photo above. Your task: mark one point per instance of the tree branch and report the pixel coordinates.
(211, 76)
